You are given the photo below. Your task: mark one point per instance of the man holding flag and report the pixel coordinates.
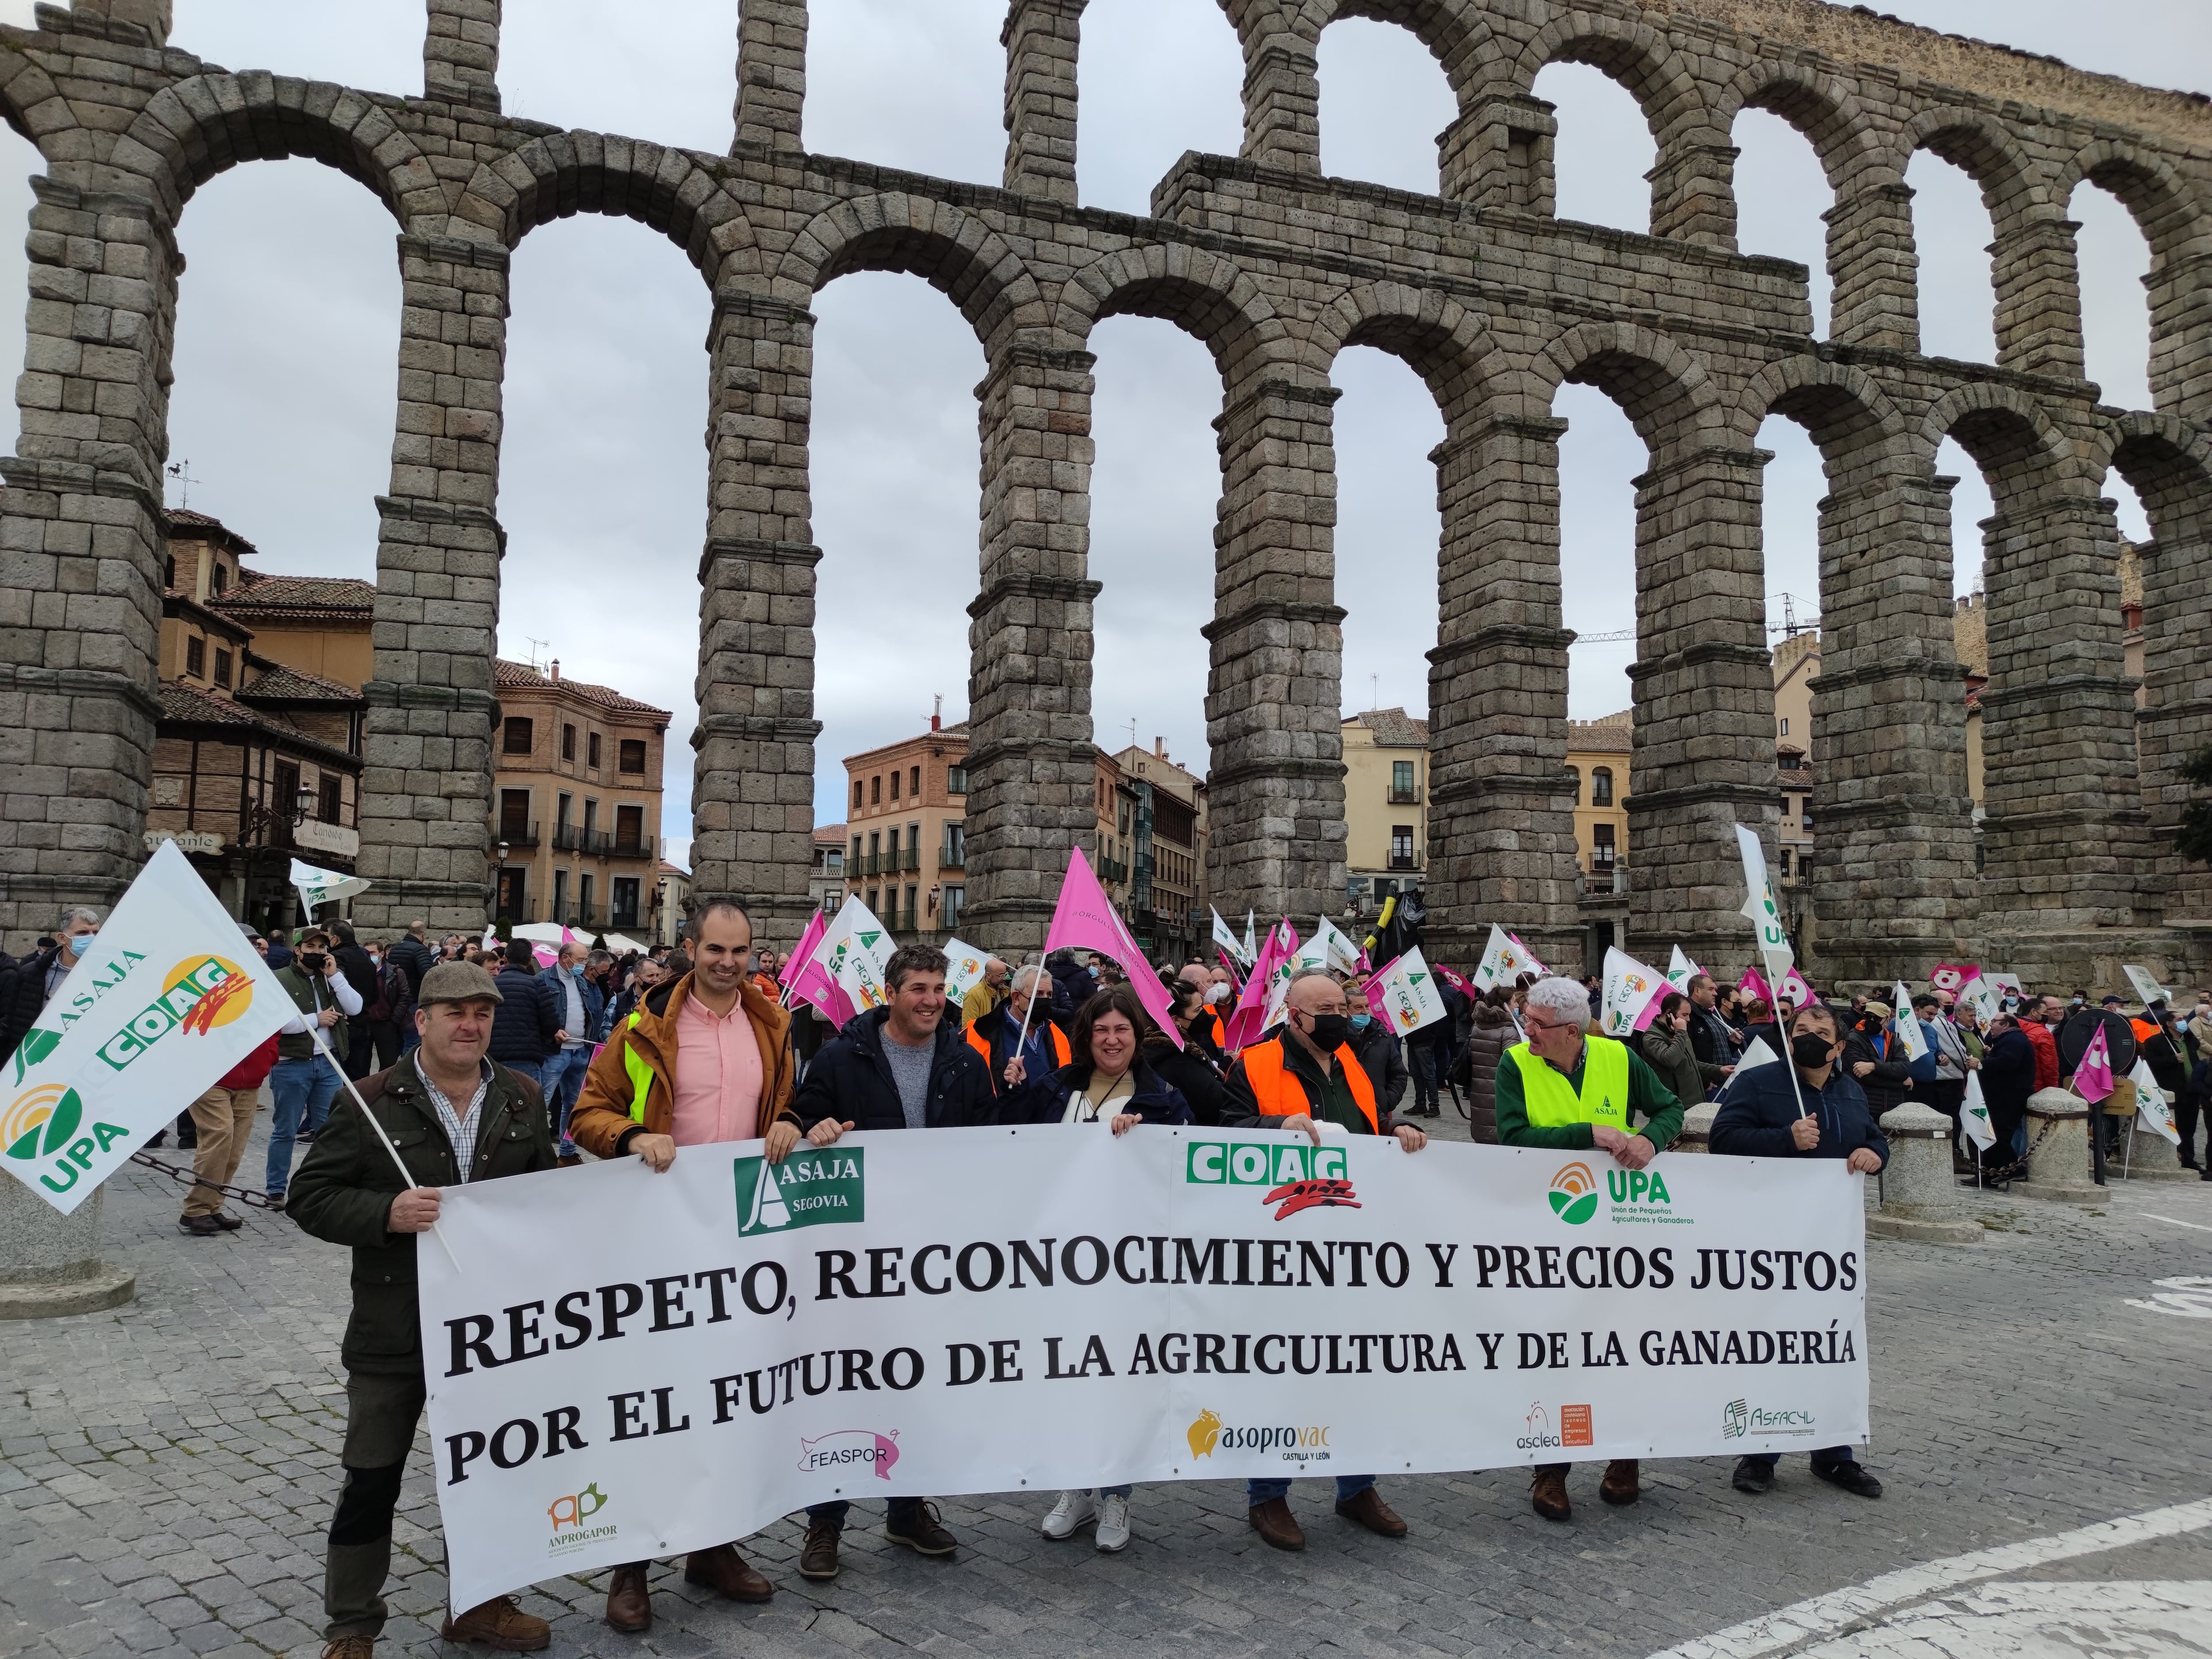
(997, 1034)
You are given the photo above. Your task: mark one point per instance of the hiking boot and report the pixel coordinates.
(818, 1556)
(1850, 1477)
(1275, 1522)
(921, 1530)
(199, 1226)
(1073, 1509)
(724, 1571)
(1620, 1486)
(1752, 1474)
(499, 1623)
(629, 1605)
(1547, 1494)
(1367, 1507)
(227, 1222)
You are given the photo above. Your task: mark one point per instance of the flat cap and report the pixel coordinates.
(457, 981)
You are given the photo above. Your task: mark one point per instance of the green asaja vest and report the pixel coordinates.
(1551, 1099)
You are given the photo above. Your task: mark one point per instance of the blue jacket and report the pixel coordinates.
(1924, 1069)
(851, 1081)
(1755, 1118)
(1045, 1099)
(528, 1014)
(595, 1004)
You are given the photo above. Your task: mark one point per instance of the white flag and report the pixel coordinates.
(1339, 954)
(1288, 966)
(1629, 987)
(1227, 941)
(1404, 992)
(1756, 1056)
(963, 968)
(1906, 1024)
(1974, 1114)
(2145, 986)
(168, 974)
(1986, 998)
(1681, 971)
(1503, 961)
(1759, 909)
(2150, 1102)
(1251, 945)
(323, 886)
(854, 950)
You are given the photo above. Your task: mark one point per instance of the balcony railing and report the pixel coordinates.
(593, 843)
(1405, 796)
(1113, 870)
(952, 858)
(1404, 862)
(516, 834)
(908, 859)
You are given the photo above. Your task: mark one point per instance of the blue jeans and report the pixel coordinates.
(1348, 1486)
(562, 1080)
(833, 1513)
(532, 1069)
(1821, 1460)
(303, 1090)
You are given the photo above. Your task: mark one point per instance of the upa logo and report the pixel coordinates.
(810, 1188)
(42, 1123)
(843, 1449)
(1574, 1194)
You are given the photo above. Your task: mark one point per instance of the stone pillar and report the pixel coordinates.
(2181, 286)
(461, 53)
(151, 18)
(2175, 720)
(771, 72)
(1273, 698)
(81, 544)
(1697, 1135)
(1892, 879)
(1501, 802)
(1282, 100)
(1693, 193)
(752, 793)
(1871, 259)
(1704, 703)
(1498, 155)
(1031, 766)
(1042, 38)
(2057, 1149)
(426, 781)
(50, 1264)
(2038, 289)
(1919, 1194)
(2065, 840)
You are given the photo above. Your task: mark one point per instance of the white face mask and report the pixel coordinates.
(1217, 993)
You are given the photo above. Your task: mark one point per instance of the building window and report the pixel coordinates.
(1401, 847)
(835, 865)
(591, 820)
(895, 784)
(560, 896)
(954, 898)
(568, 741)
(955, 854)
(1601, 854)
(195, 656)
(632, 758)
(584, 898)
(876, 901)
(514, 814)
(517, 738)
(1402, 782)
(593, 761)
(910, 919)
(216, 579)
(876, 795)
(914, 783)
(856, 850)
(856, 794)
(327, 799)
(1785, 860)
(630, 830)
(956, 780)
(1785, 726)
(169, 571)
(623, 908)
(1601, 787)
(222, 667)
(560, 810)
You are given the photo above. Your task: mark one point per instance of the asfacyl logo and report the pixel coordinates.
(1734, 1417)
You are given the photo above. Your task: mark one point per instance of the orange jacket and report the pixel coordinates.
(1280, 1094)
(632, 1082)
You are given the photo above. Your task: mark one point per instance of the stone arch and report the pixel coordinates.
(1205, 294)
(30, 102)
(2165, 210)
(1982, 148)
(189, 132)
(1447, 345)
(2007, 432)
(1454, 31)
(1824, 109)
(1840, 406)
(1664, 391)
(950, 249)
(675, 191)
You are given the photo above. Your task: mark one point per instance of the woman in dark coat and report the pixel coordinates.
(1490, 1035)
(2008, 1079)
(1190, 1070)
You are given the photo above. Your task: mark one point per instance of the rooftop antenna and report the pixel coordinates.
(182, 472)
(1373, 691)
(538, 655)
(1132, 731)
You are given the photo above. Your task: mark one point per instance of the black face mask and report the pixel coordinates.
(1328, 1031)
(313, 961)
(1810, 1050)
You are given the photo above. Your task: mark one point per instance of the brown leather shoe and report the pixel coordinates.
(499, 1623)
(1368, 1509)
(818, 1556)
(722, 1570)
(1620, 1486)
(1549, 1495)
(1273, 1521)
(350, 1647)
(629, 1605)
(921, 1529)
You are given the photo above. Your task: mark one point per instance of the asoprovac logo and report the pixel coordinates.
(569, 1514)
(1641, 1196)
(808, 1188)
(1300, 1177)
(1574, 1194)
(1293, 1443)
(1538, 1435)
(843, 1449)
(199, 995)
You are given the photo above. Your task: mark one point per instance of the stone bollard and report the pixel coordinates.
(2149, 1157)
(2058, 1149)
(1919, 1194)
(1697, 1135)
(50, 1263)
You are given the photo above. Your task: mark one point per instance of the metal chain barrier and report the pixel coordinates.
(256, 1200)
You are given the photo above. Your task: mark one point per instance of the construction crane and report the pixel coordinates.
(1790, 624)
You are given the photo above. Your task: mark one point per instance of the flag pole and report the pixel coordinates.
(1781, 1030)
(315, 1036)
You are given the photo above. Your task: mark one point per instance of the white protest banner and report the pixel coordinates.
(1226, 942)
(1629, 988)
(1681, 971)
(1504, 961)
(1906, 1024)
(743, 1340)
(1985, 999)
(168, 976)
(1758, 907)
(2148, 989)
(1339, 954)
(2151, 1106)
(318, 886)
(855, 951)
(1403, 992)
(1974, 1116)
(963, 968)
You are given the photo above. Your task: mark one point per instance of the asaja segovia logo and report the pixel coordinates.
(570, 1513)
(1574, 1194)
(810, 1188)
(1300, 1177)
(1295, 1443)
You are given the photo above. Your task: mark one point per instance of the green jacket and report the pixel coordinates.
(343, 1192)
(1647, 1097)
(298, 1045)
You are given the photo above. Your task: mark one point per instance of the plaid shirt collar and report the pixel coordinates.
(460, 1125)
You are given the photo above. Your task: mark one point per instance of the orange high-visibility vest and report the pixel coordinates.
(1281, 1095)
(982, 1045)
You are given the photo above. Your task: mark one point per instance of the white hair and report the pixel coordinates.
(76, 914)
(1563, 999)
(1025, 979)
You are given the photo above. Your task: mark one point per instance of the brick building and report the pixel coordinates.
(906, 831)
(1386, 812)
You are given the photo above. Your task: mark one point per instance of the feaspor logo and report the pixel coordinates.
(1299, 1177)
(810, 1188)
(843, 1449)
(1294, 1443)
(570, 1513)
(1574, 1194)
(1574, 1429)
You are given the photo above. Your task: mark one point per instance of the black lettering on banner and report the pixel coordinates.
(561, 1433)
(1318, 1260)
(1159, 1243)
(1820, 1271)
(1298, 1355)
(1762, 1270)
(569, 1312)
(1517, 1269)
(1209, 1352)
(1041, 1265)
(1490, 1341)
(1441, 1255)
(913, 1271)
(837, 1267)
(1851, 1278)
(1356, 1249)
(1532, 1350)
(1336, 1367)
(661, 1416)
(1574, 1266)
(471, 1336)
(1788, 1261)
(1121, 1260)
(773, 1302)
(728, 1392)
(1559, 1351)
(1424, 1353)
(1786, 1344)
(520, 1331)
(1653, 1347)
(1140, 1358)
(807, 1382)
(1094, 1354)
(1486, 1260)
(611, 1317)
(1177, 1362)
(1547, 1268)
(1101, 1261)
(461, 1450)
(1405, 1353)
(964, 1363)
(712, 1280)
(1006, 1363)
(1628, 1257)
(1390, 1256)
(1260, 1357)
(1205, 1269)
(1762, 1347)
(1237, 1365)
(1363, 1341)
(1243, 1261)
(884, 1271)
(856, 1363)
(629, 1415)
(1448, 1354)
(667, 1304)
(913, 1358)
(998, 1267)
(1275, 1261)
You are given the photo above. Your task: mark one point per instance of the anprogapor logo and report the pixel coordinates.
(569, 1514)
(1574, 1194)
(1294, 1443)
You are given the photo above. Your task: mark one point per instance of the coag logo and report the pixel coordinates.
(810, 1188)
(1295, 1443)
(199, 995)
(849, 1448)
(1301, 1177)
(568, 1513)
(1574, 1194)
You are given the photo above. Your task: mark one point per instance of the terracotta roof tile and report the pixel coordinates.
(330, 597)
(279, 684)
(1394, 728)
(515, 675)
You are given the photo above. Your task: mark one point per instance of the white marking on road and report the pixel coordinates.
(2142, 1620)
(2184, 1299)
(1862, 1606)
(2194, 1226)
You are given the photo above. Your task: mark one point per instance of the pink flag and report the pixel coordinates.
(1753, 986)
(1086, 920)
(803, 953)
(1954, 976)
(2093, 1078)
(1794, 987)
(1228, 967)
(1453, 979)
(1378, 992)
(1245, 1023)
(812, 984)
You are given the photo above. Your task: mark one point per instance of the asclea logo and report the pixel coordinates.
(1574, 1194)
(1574, 1428)
(1295, 1443)
(810, 1188)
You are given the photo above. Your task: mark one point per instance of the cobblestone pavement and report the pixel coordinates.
(167, 1470)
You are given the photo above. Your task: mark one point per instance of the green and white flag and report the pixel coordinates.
(2148, 989)
(1758, 907)
(855, 950)
(1338, 953)
(1404, 992)
(169, 996)
(1629, 988)
(1504, 961)
(1681, 971)
(323, 886)
(1226, 942)
(1974, 1114)
(1906, 1024)
(2151, 1105)
(963, 968)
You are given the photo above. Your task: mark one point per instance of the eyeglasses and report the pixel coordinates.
(1534, 1024)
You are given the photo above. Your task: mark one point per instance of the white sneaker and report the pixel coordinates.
(1113, 1523)
(1072, 1510)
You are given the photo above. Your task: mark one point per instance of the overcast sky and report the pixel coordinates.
(285, 375)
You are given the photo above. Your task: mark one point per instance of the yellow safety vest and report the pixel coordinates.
(1550, 1100)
